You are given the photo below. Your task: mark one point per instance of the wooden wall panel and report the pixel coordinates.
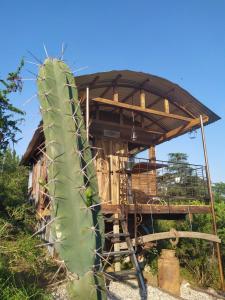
(143, 186)
(107, 167)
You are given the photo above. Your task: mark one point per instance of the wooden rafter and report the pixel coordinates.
(136, 108)
(184, 109)
(179, 106)
(119, 126)
(135, 90)
(149, 125)
(90, 85)
(180, 130)
(150, 118)
(111, 86)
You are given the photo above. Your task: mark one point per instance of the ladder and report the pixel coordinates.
(137, 273)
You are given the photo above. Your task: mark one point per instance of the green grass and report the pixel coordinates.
(26, 270)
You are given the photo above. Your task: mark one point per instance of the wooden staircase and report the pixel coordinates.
(127, 274)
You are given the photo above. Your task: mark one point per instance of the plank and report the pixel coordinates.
(157, 209)
(140, 109)
(122, 126)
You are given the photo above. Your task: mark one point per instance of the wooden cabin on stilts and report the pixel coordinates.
(126, 113)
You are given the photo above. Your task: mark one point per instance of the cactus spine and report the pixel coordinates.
(77, 224)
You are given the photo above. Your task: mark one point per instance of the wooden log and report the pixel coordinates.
(140, 109)
(172, 235)
(179, 130)
(166, 106)
(142, 99)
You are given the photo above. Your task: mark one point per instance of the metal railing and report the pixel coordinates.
(162, 182)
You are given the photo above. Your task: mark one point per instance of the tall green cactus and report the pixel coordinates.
(77, 225)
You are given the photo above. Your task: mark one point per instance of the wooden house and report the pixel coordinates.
(127, 112)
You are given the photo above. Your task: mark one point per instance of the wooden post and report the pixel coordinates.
(166, 106)
(114, 198)
(87, 112)
(116, 229)
(142, 104)
(151, 154)
(212, 203)
(152, 173)
(142, 99)
(115, 95)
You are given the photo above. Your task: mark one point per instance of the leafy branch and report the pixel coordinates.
(8, 124)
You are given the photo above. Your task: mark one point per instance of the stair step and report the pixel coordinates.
(118, 253)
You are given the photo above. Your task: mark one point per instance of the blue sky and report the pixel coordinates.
(183, 41)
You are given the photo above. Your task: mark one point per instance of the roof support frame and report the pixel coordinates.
(140, 109)
(135, 90)
(180, 130)
(114, 81)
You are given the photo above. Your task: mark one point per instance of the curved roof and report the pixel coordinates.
(128, 85)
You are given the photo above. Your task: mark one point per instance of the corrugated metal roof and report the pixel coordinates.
(154, 87)
(128, 84)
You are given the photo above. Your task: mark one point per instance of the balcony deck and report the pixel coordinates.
(156, 209)
(160, 188)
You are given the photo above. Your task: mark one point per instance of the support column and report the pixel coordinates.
(152, 179)
(115, 95)
(151, 154)
(116, 229)
(166, 106)
(142, 99)
(87, 112)
(115, 199)
(217, 245)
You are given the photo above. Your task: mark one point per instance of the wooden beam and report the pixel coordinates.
(180, 130)
(184, 109)
(179, 106)
(140, 109)
(151, 154)
(119, 126)
(115, 95)
(83, 97)
(150, 118)
(135, 90)
(111, 86)
(173, 235)
(142, 99)
(166, 106)
(159, 98)
(157, 209)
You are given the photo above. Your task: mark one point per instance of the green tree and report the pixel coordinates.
(24, 266)
(182, 181)
(219, 191)
(13, 180)
(8, 123)
(197, 257)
